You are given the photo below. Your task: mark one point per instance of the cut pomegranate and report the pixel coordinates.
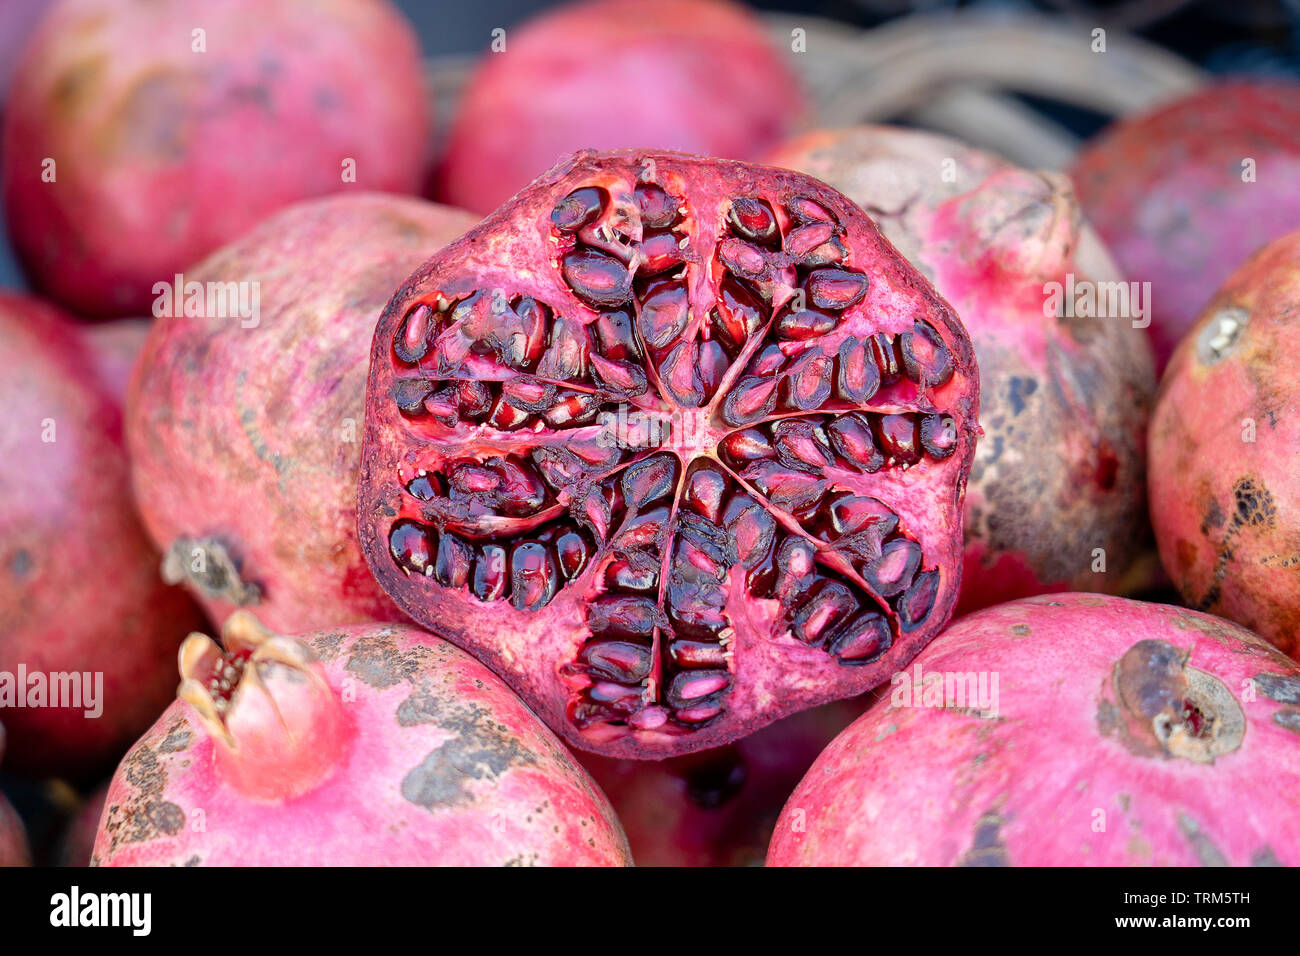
(671, 503)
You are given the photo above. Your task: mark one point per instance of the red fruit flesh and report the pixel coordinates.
(364, 746)
(1183, 194)
(1225, 452)
(1057, 496)
(670, 508)
(694, 75)
(163, 151)
(717, 807)
(79, 584)
(245, 435)
(1165, 738)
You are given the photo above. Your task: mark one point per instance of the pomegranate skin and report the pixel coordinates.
(1091, 759)
(1064, 402)
(717, 807)
(1225, 452)
(1166, 192)
(698, 76)
(677, 627)
(79, 584)
(398, 749)
(245, 442)
(164, 154)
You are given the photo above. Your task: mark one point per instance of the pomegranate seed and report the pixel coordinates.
(624, 661)
(598, 279)
(532, 576)
(659, 253)
(691, 686)
(705, 490)
(850, 436)
(754, 220)
(916, 604)
(455, 558)
(938, 436)
(863, 640)
(892, 572)
(857, 376)
(898, 439)
(625, 616)
(579, 208)
(696, 654)
(748, 445)
(797, 325)
(741, 258)
(805, 239)
(836, 289)
(649, 480)
(808, 382)
(680, 377)
(658, 209)
(615, 336)
(490, 573)
(412, 340)
(828, 606)
(410, 546)
(750, 399)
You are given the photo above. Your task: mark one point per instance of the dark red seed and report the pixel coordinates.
(522, 492)
(892, 572)
(615, 336)
(507, 417)
(636, 571)
(409, 394)
(896, 435)
(622, 379)
(711, 366)
(455, 559)
(425, 487)
(864, 640)
(741, 258)
(836, 289)
(579, 208)
(749, 400)
(885, 353)
(412, 341)
(748, 445)
(573, 553)
(410, 546)
(769, 360)
(572, 408)
(857, 377)
(649, 480)
(796, 570)
(692, 687)
(665, 309)
(491, 572)
(566, 359)
(917, 602)
(801, 443)
(850, 436)
(826, 608)
(751, 529)
(533, 319)
(926, 359)
(680, 377)
(658, 209)
(599, 280)
(797, 325)
(627, 662)
(442, 405)
(697, 654)
(830, 253)
(938, 436)
(624, 615)
(807, 384)
(740, 312)
(659, 253)
(853, 514)
(753, 219)
(473, 398)
(706, 490)
(786, 488)
(533, 576)
(808, 210)
(805, 239)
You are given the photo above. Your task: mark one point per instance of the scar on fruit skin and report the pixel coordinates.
(987, 848)
(1254, 508)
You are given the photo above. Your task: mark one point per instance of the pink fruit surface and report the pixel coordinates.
(245, 434)
(676, 445)
(699, 76)
(1184, 193)
(717, 807)
(1065, 730)
(1059, 475)
(13, 836)
(1225, 451)
(175, 125)
(114, 348)
(79, 584)
(362, 746)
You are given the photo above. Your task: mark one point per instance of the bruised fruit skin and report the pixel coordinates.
(1184, 193)
(163, 152)
(699, 76)
(245, 434)
(371, 745)
(1064, 401)
(13, 836)
(1122, 734)
(1225, 452)
(717, 807)
(608, 452)
(79, 584)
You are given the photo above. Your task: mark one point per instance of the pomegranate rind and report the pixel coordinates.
(1083, 764)
(515, 251)
(439, 765)
(1225, 444)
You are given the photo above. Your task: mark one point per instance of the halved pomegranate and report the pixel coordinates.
(676, 445)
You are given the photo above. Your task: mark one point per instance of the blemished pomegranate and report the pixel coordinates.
(370, 745)
(676, 445)
(1225, 452)
(1057, 496)
(13, 835)
(140, 135)
(88, 630)
(717, 807)
(245, 434)
(1184, 193)
(1065, 730)
(699, 76)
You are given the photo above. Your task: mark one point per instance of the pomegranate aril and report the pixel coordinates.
(918, 601)
(802, 444)
(579, 208)
(786, 488)
(634, 571)
(884, 351)
(619, 696)
(697, 612)
(522, 492)
(711, 367)
(753, 219)
(751, 529)
(528, 394)
(659, 253)
(533, 576)
(625, 616)
(696, 654)
(925, 358)
(412, 340)
(742, 259)
(836, 289)
(797, 325)
(600, 280)
(857, 376)
(850, 436)
(854, 514)
(409, 394)
(706, 490)
(649, 480)
(615, 336)
(507, 417)
(749, 400)
(828, 605)
(573, 552)
(748, 445)
(896, 436)
(468, 480)
(473, 398)
(769, 360)
(864, 639)
(680, 377)
(658, 208)
(454, 561)
(808, 210)
(443, 405)
(892, 572)
(533, 320)
(410, 546)
(699, 714)
(807, 383)
(691, 687)
(740, 313)
(425, 487)
(623, 379)
(938, 436)
(566, 358)
(830, 253)
(491, 572)
(795, 570)
(572, 408)
(627, 662)
(665, 309)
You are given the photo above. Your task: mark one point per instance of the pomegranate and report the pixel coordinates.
(142, 134)
(1057, 498)
(114, 348)
(245, 434)
(13, 836)
(1225, 446)
(84, 618)
(692, 75)
(1070, 729)
(368, 745)
(1186, 192)
(676, 445)
(717, 807)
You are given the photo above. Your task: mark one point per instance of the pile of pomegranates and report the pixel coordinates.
(707, 494)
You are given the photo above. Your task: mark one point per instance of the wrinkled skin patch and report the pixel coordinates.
(145, 815)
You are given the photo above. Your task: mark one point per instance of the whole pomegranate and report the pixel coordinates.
(1057, 498)
(142, 134)
(368, 745)
(1070, 729)
(1186, 192)
(84, 617)
(717, 807)
(13, 836)
(245, 435)
(676, 445)
(694, 75)
(1225, 451)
